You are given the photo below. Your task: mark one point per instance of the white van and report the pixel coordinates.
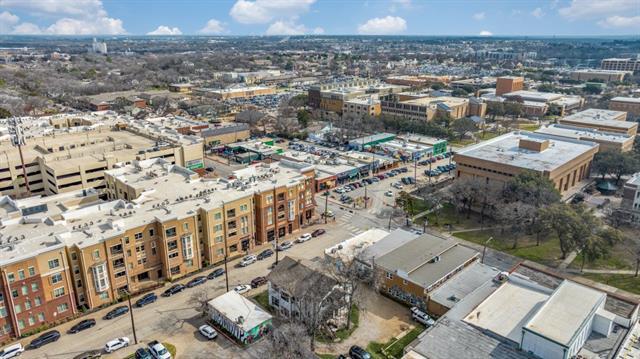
(422, 317)
(11, 351)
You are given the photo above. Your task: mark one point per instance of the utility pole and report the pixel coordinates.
(637, 263)
(17, 139)
(415, 171)
(133, 323)
(484, 249)
(326, 204)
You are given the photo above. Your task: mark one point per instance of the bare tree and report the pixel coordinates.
(199, 299)
(289, 341)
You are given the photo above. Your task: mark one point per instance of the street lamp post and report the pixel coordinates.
(17, 139)
(133, 323)
(326, 204)
(484, 249)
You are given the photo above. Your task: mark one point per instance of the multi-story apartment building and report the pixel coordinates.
(160, 222)
(628, 104)
(65, 153)
(621, 64)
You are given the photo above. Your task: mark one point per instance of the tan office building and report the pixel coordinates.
(508, 84)
(628, 104)
(620, 64)
(564, 161)
(601, 75)
(602, 120)
(608, 141)
(423, 107)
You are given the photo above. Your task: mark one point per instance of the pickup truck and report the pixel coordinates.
(158, 350)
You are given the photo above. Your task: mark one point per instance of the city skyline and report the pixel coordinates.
(317, 17)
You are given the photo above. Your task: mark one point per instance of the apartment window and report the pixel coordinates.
(96, 254)
(152, 232)
(41, 317)
(170, 232)
(175, 270)
(120, 274)
(270, 199)
(100, 279)
(58, 292)
(14, 293)
(27, 304)
(244, 207)
(389, 275)
(217, 215)
(34, 287)
(140, 248)
(142, 261)
(74, 256)
(220, 251)
(79, 283)
(6, 329)
(231, 213)
(21, 274)
(269, 216)
(54, 263)
(11, 277)
(172, 245)
(217, 228)
(17, 308)
(37, 301)
(138, 236)
(3, 312)
(233, 248)
(173, 255)
(218, 239)
(21, 324)
(56, 278)
(126, 240)
(62, 307)
(25, 290)
(104, 295)
(185, 227)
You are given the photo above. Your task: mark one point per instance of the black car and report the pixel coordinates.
(91, 354)
(216, 273)
(146, 299)
(143, 353)
(46, 338)
(196, 281)
(82, 325)
(122, 310)
(265, 254)
(258, 281)
(358, 353)
(173, 290)
(317, 232)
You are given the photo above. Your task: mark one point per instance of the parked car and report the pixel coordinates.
(216, 273)
(208, 332)
(116, 344)
(209, 169)
(265, 254)
(158, 350)
(174, 289)
(146, 299)
(242, 288)
(258, 281)
(357, 352)
(46, 338)
(284, 246)
(196, 281)
(82, 325)
(303, 238)
(91, 354)
(318, 232)
(329, 214)
(421, 317)
(11, 351)
(389, 193)
(143, 353)
(248, 260)
(116, 312)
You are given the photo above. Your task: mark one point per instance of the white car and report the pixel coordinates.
(284, 246)
(250, 259)
(397, 185)
(116, 344)
(11, 351)
(242, 288)
(303, 238)
(388, 194)
(158, 350)
(208, 332)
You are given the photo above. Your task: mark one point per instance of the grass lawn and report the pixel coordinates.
(548, 252)
(611, 262)
(326, 356)
(393, 348)
(343, 333)
(623, 281)
(528, 126)
(449, 215)
(262, 299)
(419, 206)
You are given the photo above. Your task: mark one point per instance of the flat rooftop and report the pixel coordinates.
(463, 283)
(583, 133)
(373, 138)
(626, 99)
(562, 316)
(508, 309)
(505, 149)
(535, 95)
(347, 250)
(598, 117)
(233, 306)
(446, 100)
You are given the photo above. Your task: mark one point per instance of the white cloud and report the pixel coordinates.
(537, 12)
(213, 26)
(485, 33)
(286, 28)
(479, 16)
(165, 30)
(595, 9)
(263, 11)
(72, 17)
(26, 28)
(7, 20)
(620, 22)
(318, 31)
(383, 26)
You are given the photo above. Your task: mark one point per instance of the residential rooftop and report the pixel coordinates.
(235, 307)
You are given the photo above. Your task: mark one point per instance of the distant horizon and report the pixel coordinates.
(596, 36)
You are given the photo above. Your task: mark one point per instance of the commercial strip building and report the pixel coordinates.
(234, 92)
(528, 313)
(628, 104)
(562, 160)
(69, 152)
(241, 318)
(602, 120)
(601, 75)
(332, 97)
(370, 141)
(607, 140)
(615, 64)
(160, 222)
(438, 145)
(420, 106)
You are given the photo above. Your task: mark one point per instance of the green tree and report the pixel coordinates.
(303, 118)
(4, 113)
(495, 109)
(598, 244)
(459, 92)
(437, 86)
(592, 89)
(463, 125)
(513, 109)
(561, 220)
(616, 163)
(546, 88)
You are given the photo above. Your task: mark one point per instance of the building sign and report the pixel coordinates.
(195, 164)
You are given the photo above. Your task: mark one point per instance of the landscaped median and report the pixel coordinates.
(394, 348)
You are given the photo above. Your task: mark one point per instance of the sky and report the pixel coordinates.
(322, 17)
